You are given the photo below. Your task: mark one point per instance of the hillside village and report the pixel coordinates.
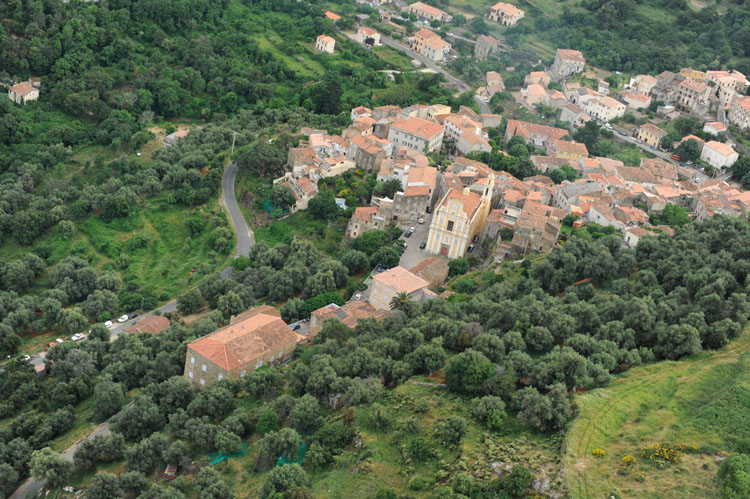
(400, 258)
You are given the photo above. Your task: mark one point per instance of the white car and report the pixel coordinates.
(59, 340)
(109, 324)
(412, 229)
(421, 221)
(608, 126)
(78, 337)
(122, 319)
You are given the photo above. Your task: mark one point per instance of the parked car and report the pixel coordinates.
(608, 126)
(476, 239)
(470, 249)
(429, 209)
(122, 319)
(132, 315)
(358, 296)
(420, 221)
(688, 162)
(675, 157)
(78, 337)
(412, 229)
(294, 327)
(407, 233)
(109, 324)
(654, 148)
(422, 245)
(50, 345)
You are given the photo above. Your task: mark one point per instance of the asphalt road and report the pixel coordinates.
(463, 87)
(33, 485)
(245, 238)
(483, 106)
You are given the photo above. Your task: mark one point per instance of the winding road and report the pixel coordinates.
(245, 241)
(245, 237)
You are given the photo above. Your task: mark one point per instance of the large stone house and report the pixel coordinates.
(536, 229)
(417, 134)
(368, 36)
(650, 134)
(419, 39)
(252, 339)
(393, 282)
(325, 43)
(429, 13)
(436, 48)
(739, 112)
(459, 216)
(718, 154)
(484, 46)
(363, 219)
(567, 63)
(505, 14)
(539, 135)
(22, 93)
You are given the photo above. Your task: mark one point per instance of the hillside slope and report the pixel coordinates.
(702, 400)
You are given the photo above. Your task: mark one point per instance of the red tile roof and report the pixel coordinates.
(246, 340)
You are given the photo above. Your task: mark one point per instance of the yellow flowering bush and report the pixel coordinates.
(664, 452)
(599, 453)
(628, 460)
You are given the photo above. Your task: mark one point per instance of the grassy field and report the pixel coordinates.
(702, 400)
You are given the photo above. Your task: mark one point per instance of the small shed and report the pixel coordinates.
(170, 472)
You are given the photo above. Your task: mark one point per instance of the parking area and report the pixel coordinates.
(413, 255)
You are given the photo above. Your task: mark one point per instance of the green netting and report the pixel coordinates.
(217, 457)
(300, 457)
(273, 210)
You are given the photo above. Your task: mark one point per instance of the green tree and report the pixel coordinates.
(468, 372)
(323, 207)
(282, 196)
(190, 302)
(545, 413)
(104, 486)
(458, 266)
(304, 415)
(261, 158)
(108, 398)
(282, 478)
(48, 465)
(370, 241)
(688, 150)
(387, 256)
(452, 430)
(734, 477)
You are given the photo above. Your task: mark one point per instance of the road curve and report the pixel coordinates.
(245, 238)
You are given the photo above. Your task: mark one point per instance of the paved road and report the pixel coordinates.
(413, 255)
(245, 237)
(463, 87)
(484, 108)
(33, 485)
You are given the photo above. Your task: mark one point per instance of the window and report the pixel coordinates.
(203, 381)
(192, 360)
(242, 374)
(190, 374)
(204, 368)
(450, 226)
(221, 377)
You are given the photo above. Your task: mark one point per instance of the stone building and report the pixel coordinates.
(567, 63)
(253, 339)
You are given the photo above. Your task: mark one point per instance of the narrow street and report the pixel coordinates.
(413, 255)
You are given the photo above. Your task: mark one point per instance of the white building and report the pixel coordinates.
(325, 44)
(718, 154)
(23, 93)
(417, 134)
(368, 36)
